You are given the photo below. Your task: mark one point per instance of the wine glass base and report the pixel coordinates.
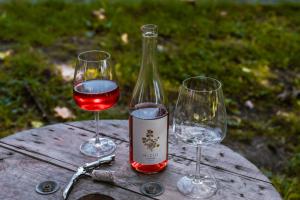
(203, 188)
(104, 148)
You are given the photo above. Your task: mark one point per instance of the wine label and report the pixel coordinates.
(149, 138)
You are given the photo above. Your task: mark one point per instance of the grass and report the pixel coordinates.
(253, 49)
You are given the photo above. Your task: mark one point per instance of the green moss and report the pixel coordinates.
(289, 187)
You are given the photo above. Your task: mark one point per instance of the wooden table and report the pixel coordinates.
(52, 152)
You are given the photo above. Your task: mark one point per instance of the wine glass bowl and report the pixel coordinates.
(199, 120)
(96, 95)
(95, 89)
(193, 134)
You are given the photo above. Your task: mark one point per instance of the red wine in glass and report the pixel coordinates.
(96, 95)
(95, 89)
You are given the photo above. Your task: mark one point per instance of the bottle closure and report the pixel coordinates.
(149, 30)
(150, 34)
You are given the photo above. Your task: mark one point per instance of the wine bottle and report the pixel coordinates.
(148, 120)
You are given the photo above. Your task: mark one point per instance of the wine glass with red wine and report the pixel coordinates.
(95, 89)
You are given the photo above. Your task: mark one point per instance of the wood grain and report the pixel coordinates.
(59, 145)
(19, 175)
(218, 156)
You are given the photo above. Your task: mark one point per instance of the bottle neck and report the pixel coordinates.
(149, 54)
(148, 88)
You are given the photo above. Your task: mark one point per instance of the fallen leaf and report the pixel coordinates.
(36, 124)
(100, 14)
(265, 83)
(64, 112)
(282, 113)
(245, 69)
(124, 38)
(5, 54)
(67, 71)
(196, 116)
(263, 73)
(249, 104)
(223, 13)
(160, 48)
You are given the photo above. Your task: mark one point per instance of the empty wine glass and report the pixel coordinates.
(199, 120)
(95, 89)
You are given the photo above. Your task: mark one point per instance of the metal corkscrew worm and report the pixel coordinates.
(86, 170)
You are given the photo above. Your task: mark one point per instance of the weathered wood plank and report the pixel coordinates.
(61, 143)
(19, 175)
(218, 156)
(41, 157)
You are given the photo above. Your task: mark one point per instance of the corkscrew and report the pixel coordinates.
(86, 170)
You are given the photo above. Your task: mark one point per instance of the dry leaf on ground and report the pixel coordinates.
(100, 14)
(249, 104)
(67, 71)
(223, 13)
(245, 69)
(4, 54)
(124, 38)
(64, 112)
(36, 124)
(160, 48)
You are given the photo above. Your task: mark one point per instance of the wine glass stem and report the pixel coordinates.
(97, 140)
(197, 177)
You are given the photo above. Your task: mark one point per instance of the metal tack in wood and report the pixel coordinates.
(47, 187)
(152, 189)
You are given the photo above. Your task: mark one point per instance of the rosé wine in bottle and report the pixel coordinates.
(149, 117)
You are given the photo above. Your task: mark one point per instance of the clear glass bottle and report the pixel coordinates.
(149, 117)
